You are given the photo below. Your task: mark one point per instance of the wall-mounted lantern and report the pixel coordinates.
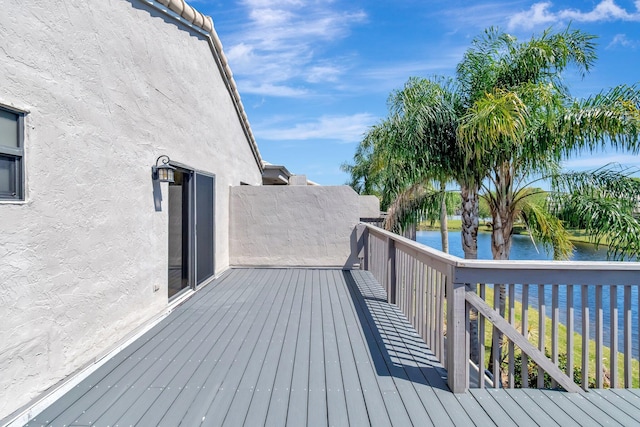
(163, 172)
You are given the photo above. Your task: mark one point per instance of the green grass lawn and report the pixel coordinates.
(452, 225)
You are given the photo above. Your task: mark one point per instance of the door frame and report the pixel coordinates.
(191, 232)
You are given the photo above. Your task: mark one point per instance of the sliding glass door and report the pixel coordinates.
(204, 227)
(191, 230)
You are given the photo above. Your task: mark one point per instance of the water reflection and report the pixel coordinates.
(522, 247)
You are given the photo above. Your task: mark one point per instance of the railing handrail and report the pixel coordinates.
(494, 271)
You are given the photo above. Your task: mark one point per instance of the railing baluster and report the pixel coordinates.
(598, 332)
(627, 338)
(585, 336)
(495, 343)
(400, 281)
(391, 270)
(481, 338)
(570, 329)
(405, 282)
(524, 370)
(542, 330)
(512, 320)
(420, 300)
(430, 297)
(414, 290)
(440, 313)
(555, 319)
(613, 319)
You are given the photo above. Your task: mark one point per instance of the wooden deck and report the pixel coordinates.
(303, 347)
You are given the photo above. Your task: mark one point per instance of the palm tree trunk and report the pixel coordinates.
(470, 203)
(444, 226)
(502, 215)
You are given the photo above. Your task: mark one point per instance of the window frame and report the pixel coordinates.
(18, 155)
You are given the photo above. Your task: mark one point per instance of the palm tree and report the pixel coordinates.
(507, 119)
(518, 84)
(417, 145)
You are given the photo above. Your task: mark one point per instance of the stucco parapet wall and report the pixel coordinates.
(205, 23)
(369, 206)
(293, 226)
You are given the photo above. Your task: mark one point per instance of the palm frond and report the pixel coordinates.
(603, 202)
(546, 227)
(417, 202)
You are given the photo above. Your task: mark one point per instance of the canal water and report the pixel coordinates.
(522, 248)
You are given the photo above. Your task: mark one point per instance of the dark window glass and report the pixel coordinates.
(9, 129)
(7, 176)
(11, 153)
(204, 227)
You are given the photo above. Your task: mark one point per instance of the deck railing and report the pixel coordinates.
(441, 295)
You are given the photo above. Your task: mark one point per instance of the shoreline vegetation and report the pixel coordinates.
(576, 236)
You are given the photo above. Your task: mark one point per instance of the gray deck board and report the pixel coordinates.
(342, 321)
(616, 399)
(497, 413)
(372, 395)
(600, 398)
(566, 416)
(388, 387)
(525, 402)
(337, 413)
(628, 395)
(511, 407)
(257, 381)
(248, 362)
(317, 394)
(299, 390)
(590, 411)
(227, 355)
(303, 347)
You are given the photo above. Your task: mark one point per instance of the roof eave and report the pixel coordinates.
(180, 10)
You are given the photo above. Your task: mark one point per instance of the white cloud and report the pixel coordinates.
(282, 42)
(340, 128)
(624, 41)
(323, 73)
(542, 14)
(475, 16)
(270, 89)
(401, 71)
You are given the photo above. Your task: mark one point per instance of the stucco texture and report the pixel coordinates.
(293, 226)
(109, 86)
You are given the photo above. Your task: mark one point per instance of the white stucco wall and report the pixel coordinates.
(293, 226)
(369, 207)
(109, 86)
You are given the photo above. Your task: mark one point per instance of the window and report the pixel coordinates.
(11, 155)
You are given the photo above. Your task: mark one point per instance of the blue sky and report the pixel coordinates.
(314, 75)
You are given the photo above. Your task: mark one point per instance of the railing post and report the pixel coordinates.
(362, 233)
(391, 270)
(457, 350)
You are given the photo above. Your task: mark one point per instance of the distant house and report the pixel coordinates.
(91, 245)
